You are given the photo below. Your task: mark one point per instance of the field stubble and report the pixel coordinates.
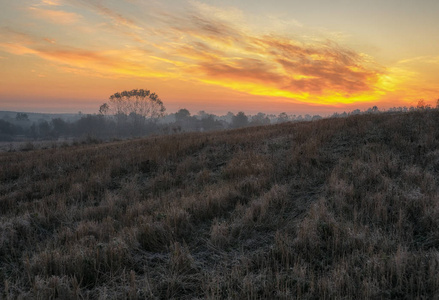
(336, 208)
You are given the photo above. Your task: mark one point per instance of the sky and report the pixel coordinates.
(313, 56)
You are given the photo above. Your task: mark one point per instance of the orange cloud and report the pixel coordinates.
(242, 70)
(199, 51)
(207, 46)
(220, 53)
(107, 63)
(17, 49)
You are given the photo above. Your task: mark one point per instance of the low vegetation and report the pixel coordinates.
(335, 208)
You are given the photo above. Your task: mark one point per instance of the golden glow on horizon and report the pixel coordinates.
(198, 49)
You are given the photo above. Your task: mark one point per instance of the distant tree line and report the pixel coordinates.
(139, 113)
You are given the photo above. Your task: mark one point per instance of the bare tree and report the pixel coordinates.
(139, 102)
(104, 109)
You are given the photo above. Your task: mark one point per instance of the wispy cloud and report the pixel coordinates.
(213, 46)
(55, 16)
(220, 52)
(51, 2)
(99, 7)
(103, 63)
(421, 59)
(51, 41)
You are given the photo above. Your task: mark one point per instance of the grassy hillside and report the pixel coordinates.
(337, 208)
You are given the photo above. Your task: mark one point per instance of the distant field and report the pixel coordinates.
(33, 145)
(336, 208)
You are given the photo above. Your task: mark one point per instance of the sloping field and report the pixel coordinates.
(337, 208)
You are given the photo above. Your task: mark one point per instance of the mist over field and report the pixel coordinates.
(34, 127)
(138, 113)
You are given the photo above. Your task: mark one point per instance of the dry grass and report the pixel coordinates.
(337, 208)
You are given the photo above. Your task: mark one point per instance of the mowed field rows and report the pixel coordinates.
(335, 208)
